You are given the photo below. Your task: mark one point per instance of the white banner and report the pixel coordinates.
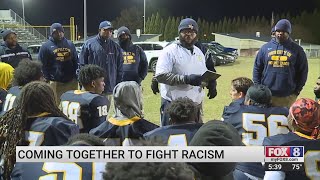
(139, 154)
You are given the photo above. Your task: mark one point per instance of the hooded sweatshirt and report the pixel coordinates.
(127, 125)
(135, 63)
(283, 67)
(13, 56)
(59, 59)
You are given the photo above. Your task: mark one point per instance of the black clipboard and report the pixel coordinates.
(209, 76)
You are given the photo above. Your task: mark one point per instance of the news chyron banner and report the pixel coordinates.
(284, 158)
(275, 157)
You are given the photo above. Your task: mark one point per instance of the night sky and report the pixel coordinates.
(45, 12)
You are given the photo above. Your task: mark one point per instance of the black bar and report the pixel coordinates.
(275, 166)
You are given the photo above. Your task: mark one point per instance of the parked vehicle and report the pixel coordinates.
(219, 57)
(34, 50)
(152, 50)
(229, 50)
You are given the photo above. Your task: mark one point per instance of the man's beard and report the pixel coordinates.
(186, 44)
(124, 43)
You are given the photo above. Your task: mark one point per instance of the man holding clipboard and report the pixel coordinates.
(180, 68)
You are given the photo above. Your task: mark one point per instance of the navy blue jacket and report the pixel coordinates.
(233, 107)
(13, 56)
(59, 59)
(106, 54)
(135, 64)
(281, 67)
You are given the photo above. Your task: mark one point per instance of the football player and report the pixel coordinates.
(26, 72)
(255, 120)
(36, 121)
(317, 90)
(87, 108)
(127, 125)
(238, 91)
(304, 121)
(183, 123)
(75, 171)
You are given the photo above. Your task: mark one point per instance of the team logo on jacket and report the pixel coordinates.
(128, 58)
(279, 58)
(62, 54)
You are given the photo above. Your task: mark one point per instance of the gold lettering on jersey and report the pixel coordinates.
(279, 58)
(128, 58)
(62, 54)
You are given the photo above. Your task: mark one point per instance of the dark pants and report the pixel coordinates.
(164, 117)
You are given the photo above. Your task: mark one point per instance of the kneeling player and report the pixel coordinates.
(59, 170)
(254, 121)
(26, 72)
(304, 121)
(36, 121)
(87, 108)
(183, 120)
(127, 125)
(238, 91)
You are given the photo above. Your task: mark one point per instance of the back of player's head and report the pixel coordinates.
(27, 71)
(84, 139)
(148, 171)
(242, 84)
(183, 110)
(6, 75)
(128, 99)
(89, 73)
(259, 95)
(215, 133)
(36, 97)
(304, 116)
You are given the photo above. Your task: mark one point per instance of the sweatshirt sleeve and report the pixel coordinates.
(258, 67)
(301, 70)
(75, 60)
(84, 54)
(143, 66)
(119, 61)
(43, 57)
(164, 70)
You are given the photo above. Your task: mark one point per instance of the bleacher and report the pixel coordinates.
(27, 35)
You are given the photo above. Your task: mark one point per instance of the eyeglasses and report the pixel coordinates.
(188, 31)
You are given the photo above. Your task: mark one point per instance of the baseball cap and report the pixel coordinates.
(105, 25)
(259, 94)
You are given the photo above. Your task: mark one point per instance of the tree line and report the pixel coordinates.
(305, 26)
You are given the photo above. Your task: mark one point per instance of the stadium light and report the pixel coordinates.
(24, 18)
(84, 20)
(144, 16)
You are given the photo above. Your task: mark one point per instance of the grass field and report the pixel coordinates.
(213, 108)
